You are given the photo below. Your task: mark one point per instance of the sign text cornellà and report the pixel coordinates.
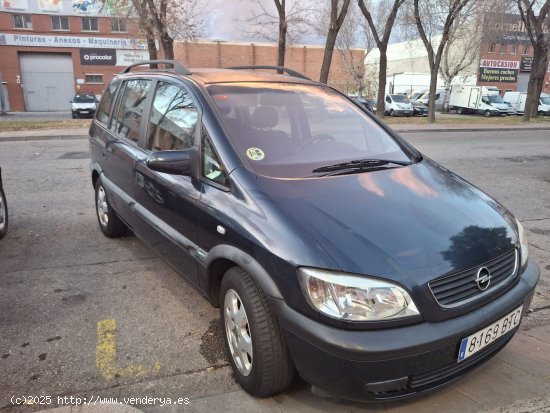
(98, 57)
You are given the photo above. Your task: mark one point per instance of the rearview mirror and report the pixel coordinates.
(172, 162)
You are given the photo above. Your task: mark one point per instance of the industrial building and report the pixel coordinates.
(504, 59)
(51, 49)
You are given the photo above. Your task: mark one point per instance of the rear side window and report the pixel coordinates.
(127, 120)
(104, 109)
(173, 119)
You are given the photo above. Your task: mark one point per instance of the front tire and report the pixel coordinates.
(109, 223)
(253, 339)
(392, 113)
(3, 215)
(487, 113)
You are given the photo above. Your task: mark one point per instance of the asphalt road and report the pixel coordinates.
(85, 316)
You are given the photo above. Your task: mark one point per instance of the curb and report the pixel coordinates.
(539, 128)
(40, 138)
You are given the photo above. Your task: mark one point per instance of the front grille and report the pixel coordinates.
(455, 369)
(460, 288)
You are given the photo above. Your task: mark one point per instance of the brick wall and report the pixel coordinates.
(304, 59)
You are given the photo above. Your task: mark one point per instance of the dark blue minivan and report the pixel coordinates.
(332, 247)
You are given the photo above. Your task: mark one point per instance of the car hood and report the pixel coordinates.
(90, 105)
(500, 106)
(418, 221)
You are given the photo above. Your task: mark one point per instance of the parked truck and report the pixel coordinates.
(484, 100)
(518, 99)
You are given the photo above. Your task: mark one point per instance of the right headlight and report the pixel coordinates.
(523, 244)
(355, 298)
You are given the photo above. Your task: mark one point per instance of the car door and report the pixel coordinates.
(166, 204)
(121, 145)
(388, 103)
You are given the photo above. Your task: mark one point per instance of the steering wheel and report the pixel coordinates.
(320, 137)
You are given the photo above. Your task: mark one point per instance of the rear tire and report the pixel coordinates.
(3, 215)
(256, 346)
(460, 111)
(109, 223)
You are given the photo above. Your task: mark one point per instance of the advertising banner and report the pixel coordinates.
(15, 5)
(488, 74)
(98, 57)
(501, 71)
(50, 6)
(10, 39)
(526, 64)
(129, 57)
(86, 6)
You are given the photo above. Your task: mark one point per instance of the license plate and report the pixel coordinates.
(477, 341)
(84, 111)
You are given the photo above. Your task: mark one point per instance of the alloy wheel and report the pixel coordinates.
(102, 207)
(237, 331)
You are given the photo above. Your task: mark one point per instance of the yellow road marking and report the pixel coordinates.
(105, 354)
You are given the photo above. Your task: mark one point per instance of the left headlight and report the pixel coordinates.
(523, 244)
(355, 298)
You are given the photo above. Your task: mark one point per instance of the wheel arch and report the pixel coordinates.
(96, 173)
(223, 257)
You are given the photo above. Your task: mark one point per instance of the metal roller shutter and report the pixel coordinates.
(48, 81)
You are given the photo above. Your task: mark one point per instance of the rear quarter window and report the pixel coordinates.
(106, 103)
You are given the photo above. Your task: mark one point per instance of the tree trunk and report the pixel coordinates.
(167, 46)
(383, 67)
(327, 58)
(536, 82)
(282, 43)
(447, 96)
(152, 47)
(431, 98)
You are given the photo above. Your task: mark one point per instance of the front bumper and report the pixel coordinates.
(83, 112)
(399, 362)
(403, 112)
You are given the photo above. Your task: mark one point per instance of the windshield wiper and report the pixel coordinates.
(357, 165)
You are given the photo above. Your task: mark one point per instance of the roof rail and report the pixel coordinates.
(278, 68)
(178, 68)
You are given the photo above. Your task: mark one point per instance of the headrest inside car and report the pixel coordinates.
(265, 117)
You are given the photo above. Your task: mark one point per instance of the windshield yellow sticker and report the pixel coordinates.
(256, 154)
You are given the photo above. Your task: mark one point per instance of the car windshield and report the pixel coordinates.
(495, 99)
(371, 102)
(400, 98)
(289, 130)
(545, 100)
(84, 99)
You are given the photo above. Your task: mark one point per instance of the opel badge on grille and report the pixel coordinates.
(483, 278)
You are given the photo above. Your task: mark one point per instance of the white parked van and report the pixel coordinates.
(439, 97)
(484, 100)
(398, 105)
(518, 99)
(544, 105)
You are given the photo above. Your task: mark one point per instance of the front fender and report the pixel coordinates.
(248, 263)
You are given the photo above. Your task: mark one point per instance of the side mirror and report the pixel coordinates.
(172, 162)
(70, 101)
